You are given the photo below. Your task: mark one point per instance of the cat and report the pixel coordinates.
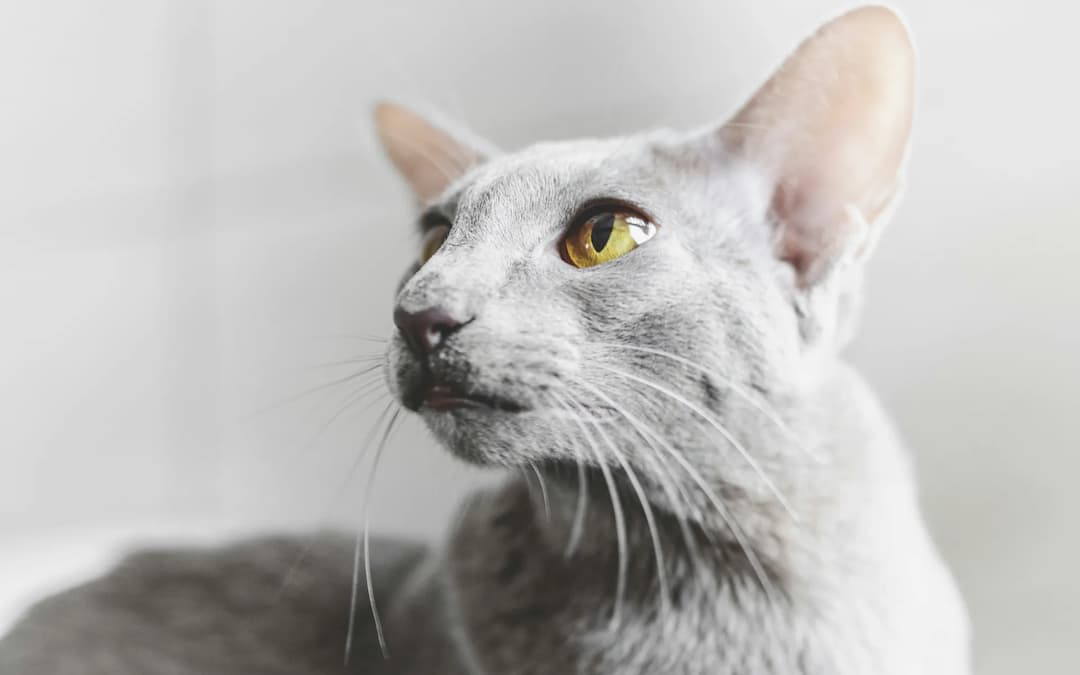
(652, 325)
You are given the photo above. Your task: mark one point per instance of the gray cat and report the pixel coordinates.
(651, 323)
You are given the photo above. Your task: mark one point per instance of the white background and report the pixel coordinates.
(193, 215)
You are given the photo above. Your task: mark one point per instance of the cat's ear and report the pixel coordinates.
(830, 129)
(428, 155)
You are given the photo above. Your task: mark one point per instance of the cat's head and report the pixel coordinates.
(616, 301)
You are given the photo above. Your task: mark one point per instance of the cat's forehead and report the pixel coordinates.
(555, 176)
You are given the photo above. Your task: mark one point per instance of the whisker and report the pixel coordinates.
(365, 445)
(308, 392)
(376, 360)
(736, 530)
(717, 503)
(650, 518)
(359, 394)
(716, 425)
(620, 522)
(755, 401)
(543, 490)
(577, 527)
(365, 337)
(534, 493)
(365, 543)
(674, 490)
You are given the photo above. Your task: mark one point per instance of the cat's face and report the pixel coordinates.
(727, 276)
(542, 336)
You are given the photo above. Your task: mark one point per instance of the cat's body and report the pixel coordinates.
(717, 492)
(501, 597)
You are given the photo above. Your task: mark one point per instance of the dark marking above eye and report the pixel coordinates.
(603, 224)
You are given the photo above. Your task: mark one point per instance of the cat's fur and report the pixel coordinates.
(696, 378)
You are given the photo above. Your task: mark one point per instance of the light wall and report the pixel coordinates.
(193, 216)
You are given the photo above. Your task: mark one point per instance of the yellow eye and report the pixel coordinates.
(605, 236)
(433, 239)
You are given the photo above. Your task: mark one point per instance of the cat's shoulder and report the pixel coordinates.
(265, 605)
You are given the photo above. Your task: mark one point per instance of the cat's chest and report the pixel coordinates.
(508, 601)
(523, 607)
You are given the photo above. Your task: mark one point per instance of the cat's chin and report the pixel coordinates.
(481, 434)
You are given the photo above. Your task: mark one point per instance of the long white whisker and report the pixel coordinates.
(365, 543)
(736, 530)
(620, 521)
(650, 518)
(755, 401)
(543, 490)
(308, 392)
(577, 527)
(674, 491)
(367, 537)
(356, 396)
(366, 337)
(372, 361)
(535, 498)
(714, 500)
(365, 445)
(716, 425)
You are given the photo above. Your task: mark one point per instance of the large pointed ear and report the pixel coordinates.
(428, 155)
(830, 129)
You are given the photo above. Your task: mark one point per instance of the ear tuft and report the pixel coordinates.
(427, 155)
(831, 131)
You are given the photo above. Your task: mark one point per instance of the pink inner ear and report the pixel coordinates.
(799, 244)
(427, 156)
(831, 128)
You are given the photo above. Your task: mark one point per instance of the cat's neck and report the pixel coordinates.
(522, 597)
(525, 565)
(851, 468)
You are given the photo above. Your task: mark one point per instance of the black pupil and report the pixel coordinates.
(601, 230)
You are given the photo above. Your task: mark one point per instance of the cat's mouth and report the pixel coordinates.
(443, 397)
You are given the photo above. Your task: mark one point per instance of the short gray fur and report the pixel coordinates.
(620, 365)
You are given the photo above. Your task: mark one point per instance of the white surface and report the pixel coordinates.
(192, 214)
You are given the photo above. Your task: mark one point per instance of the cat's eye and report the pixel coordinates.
(433, 239)
(604, 236)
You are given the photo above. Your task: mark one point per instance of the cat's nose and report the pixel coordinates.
(425, 331)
